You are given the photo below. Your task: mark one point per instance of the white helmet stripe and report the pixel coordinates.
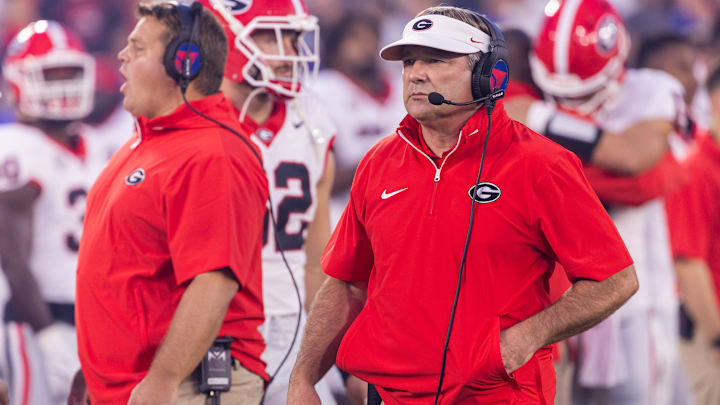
(57, 36)
(299, 9)
(563, 33)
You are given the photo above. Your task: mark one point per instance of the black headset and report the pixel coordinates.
(492, 66)
(183, 67)
(490, 75)
(183, 57)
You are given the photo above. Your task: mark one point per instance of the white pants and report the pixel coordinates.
(26, 373)
(614, 363)
(278, 333)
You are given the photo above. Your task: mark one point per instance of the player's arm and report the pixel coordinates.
(635, 150)
(16, 224)
(195, 324)
(337, 304)
(632, 151)
(318, 233)
(665, 178)
(699, 295)
(583, 306)
(344, 174)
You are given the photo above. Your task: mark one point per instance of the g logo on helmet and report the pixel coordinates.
(607, 34)
(135, 177)
(422, 25)
(485, 193)
(238, 6)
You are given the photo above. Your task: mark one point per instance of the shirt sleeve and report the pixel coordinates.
(576, 226)
(214, 212)
(348, 255)
(689, 221)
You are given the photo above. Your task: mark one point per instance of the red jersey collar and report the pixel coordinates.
(214, 106)
(472, 133)
(273, 124)
(78, 149)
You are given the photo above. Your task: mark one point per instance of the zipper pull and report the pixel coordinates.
(437, 175)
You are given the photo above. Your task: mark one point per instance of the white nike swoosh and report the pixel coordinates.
(385, 195)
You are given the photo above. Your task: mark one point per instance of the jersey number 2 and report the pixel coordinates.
(288, 206)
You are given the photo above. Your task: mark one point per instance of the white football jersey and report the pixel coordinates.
(362, 120)
(294, 143)
(28, 155)
(645, 94)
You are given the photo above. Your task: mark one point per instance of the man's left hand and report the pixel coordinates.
(516, 348)
(150, 392)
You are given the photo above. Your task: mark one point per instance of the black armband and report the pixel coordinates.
(574, 134)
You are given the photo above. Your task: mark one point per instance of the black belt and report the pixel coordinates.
(373, 396)
(60, 313)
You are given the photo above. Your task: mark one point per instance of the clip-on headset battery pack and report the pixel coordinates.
(216, 367)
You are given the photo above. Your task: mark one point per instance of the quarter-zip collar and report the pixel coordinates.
(471, 135)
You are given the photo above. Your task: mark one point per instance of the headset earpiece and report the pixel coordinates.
(183, 57)
(491, 73)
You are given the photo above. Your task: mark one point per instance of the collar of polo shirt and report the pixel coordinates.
(438, 32)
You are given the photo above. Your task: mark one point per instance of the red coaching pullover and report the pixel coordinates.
(181, 198)
(404, 229)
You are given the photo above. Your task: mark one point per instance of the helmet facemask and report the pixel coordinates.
(255, 68)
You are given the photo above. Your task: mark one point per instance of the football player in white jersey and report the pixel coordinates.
(44, 177)
(266, 75)
(618, 122)
(363, 100)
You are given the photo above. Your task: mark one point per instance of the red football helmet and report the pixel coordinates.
(49, 73)
(246, 62)
(579, 55)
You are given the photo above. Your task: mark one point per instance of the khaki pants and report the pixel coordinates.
(247, 389)
(701, 369)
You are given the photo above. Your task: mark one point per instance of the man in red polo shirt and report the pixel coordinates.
(396, 254)
(170, 257)
(694, 221)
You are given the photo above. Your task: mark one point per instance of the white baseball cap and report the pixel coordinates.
(439, 32)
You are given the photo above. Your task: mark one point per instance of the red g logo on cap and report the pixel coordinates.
(422, 25)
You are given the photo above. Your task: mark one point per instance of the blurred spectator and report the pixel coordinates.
(525, 14)
(363, 101)
(694, 220)
(673, 53)
(101, 24)
(519, 45)
(677, 55)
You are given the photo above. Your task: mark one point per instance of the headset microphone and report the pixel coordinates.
(436, 98)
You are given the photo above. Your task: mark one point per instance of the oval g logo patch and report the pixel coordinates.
(485, 193)
(422, 25)
(135, 177)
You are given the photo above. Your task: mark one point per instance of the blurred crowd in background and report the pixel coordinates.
(351, 31)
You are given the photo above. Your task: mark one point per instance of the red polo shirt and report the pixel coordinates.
(181, 198)
(693, 214)
(404, 230)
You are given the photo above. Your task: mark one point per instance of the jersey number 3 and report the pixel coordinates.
(288, 206)
(76, 196)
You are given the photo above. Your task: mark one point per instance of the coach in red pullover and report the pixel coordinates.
(170, 253)
(395, 255)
